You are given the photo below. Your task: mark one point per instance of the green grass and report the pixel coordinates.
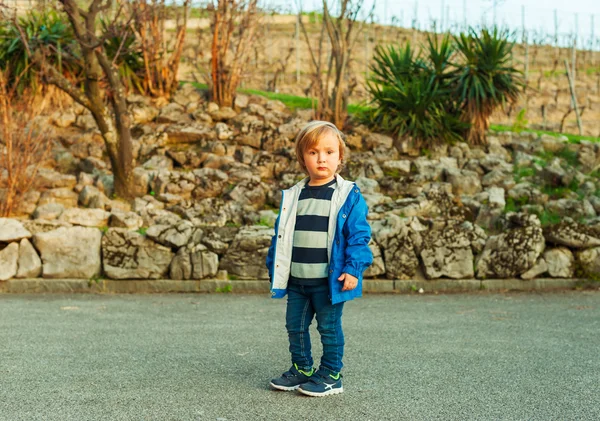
(225, 289)
(573, 138)
(548, 218)
(294, 102)
(553, 73)
(522, 172)
(291, 101)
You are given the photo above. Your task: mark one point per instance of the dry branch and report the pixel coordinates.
(24, 148)
(333, 89)
(233, 28)
(161, 60)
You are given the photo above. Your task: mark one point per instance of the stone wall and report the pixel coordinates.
(208, 188)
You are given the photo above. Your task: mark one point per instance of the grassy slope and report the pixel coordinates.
(293, 102)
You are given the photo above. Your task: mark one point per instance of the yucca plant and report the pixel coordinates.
(40, 29)
(412, 95)
(486, 78)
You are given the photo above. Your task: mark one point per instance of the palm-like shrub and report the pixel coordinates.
(46, 29)
(485, 78)
(413, 95)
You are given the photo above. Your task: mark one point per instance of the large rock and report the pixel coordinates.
(560, 261)
(197, 263)
(574, 208)
(130, 255)
(8, 261)
(571, 234)
(85, 217)
(69, 252)
(41, 225)
(177, 235)
(398, 240)
(49, 179)
(49, 211)
(130, 220)
(92, 197)
(536, 270)
(513, 252)
(210, 183)
(378, 267)
(447, 252)
(30, 264)
(173, 113)
(589, 262)
(63, 195)
(181, 265)
(249, 193)
(463, 181)
(246, 256)
(373, 140)
(12, 230)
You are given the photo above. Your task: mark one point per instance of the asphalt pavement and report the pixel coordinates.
(481, 356)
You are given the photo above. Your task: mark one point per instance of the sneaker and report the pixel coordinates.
(322, 385)
(292, 379)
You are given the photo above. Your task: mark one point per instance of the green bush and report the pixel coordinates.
(52, 32)
(445, 93)
(413, 95)
(47, 29)
(486, 78)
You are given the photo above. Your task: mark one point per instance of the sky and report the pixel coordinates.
(538, 17)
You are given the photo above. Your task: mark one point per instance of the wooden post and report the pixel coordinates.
(298, 48)
(543, 116)
(573, 97)
(526, 69)
(592, 56)
(366, 54)
(523, 35)
(574, 59)
(268, 54)
(557, 51)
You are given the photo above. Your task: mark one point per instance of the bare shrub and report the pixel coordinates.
(161, 58)
(330, 77)
(233, 30)
(23, 148)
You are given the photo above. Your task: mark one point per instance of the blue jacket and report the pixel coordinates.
(348, 238)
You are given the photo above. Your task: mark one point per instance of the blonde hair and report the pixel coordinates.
(310, 135)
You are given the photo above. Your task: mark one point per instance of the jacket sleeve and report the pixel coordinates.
(357, 232)
(271, 252)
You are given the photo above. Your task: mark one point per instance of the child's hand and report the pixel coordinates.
(350, 282)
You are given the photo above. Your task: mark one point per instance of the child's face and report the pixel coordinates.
(323, 159)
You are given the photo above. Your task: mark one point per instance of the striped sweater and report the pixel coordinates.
(309, 253)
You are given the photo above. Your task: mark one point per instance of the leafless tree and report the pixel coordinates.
(330, 76)
(161, 60)
(101, 85)
(233, 29)
(282, 64)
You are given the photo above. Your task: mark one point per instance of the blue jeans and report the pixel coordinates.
(302, 305)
